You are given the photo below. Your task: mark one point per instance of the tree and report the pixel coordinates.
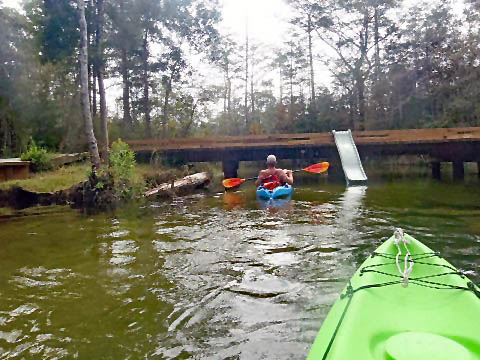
(100, 73)
(173, 28)
(124, 38)
(84, 96)
(348, 28)
(229, 63)
(309, 15)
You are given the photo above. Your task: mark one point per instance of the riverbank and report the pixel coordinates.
(66, 185)
(51, 181)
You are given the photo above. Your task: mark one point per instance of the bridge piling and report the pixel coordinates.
(230, 168)
(437, 170)
(458, 170)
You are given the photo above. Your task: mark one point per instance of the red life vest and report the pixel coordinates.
(271, 182)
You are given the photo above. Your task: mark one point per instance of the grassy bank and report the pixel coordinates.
(68, 176)
(51, 181)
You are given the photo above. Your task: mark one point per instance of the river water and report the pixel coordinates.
(212, 275)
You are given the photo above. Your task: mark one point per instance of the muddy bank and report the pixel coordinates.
(90, 195)
(19, 198)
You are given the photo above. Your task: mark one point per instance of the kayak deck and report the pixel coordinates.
(377, 317)
(277, 193)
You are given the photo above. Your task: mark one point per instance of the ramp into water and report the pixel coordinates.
(351, 163)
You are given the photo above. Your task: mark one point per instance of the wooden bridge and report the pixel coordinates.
(456, 145)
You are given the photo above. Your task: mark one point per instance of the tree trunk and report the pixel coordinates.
(229, 96)
(377, 98)
(310, 56)
(281, 81)
(6, 134)
(246, 80)
(90, 86)
(103, 116)
(146, 94)
(91, 70)
(291, 81)
(360, 83)
(84, 98)
(351, 102)
(94, 92)
(168, 89)
(252, 90)
(187, 127)
(127, 117)
(377, 43)
(101, 84)
(180, 186)
(225, 92)
(359, 76)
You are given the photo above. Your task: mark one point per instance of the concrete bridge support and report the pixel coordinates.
(437, 170)
(458, 170)
(230, 168)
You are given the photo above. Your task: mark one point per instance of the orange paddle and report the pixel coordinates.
(313, 169)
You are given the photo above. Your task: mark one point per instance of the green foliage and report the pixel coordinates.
(127, 184)
(39, 157)
(418, 68)
(122, 160)
(57, 34)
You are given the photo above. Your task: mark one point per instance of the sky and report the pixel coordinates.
(266, 19)
(267, 25)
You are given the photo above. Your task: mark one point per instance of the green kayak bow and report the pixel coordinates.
(405, 302)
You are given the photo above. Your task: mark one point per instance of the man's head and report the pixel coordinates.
(271, 161)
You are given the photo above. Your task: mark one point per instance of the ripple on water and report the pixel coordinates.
(198, 281)
(116, 234)
(10, 336)
(123, 252)
(258, 284)
(40, 277)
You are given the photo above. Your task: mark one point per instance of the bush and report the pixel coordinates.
(122, 161)
(39, 157)
(122, 165)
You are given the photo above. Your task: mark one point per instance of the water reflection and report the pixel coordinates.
(233, 200)
(280, 203)
(350, 206)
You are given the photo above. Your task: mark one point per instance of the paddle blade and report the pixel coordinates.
(317, 168)
(234, 182)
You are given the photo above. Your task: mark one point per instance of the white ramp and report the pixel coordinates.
(351, 163)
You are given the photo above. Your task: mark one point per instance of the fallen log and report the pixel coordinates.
(65, 159)
(181, 186)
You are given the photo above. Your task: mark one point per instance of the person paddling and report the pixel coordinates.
(273, 177)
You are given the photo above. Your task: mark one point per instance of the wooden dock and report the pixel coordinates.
(456, 145)
(15, 168)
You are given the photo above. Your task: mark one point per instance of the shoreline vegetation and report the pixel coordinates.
(74, 185)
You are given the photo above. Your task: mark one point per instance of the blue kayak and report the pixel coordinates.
(279, 192)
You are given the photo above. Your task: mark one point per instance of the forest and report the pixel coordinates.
(390, 66)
